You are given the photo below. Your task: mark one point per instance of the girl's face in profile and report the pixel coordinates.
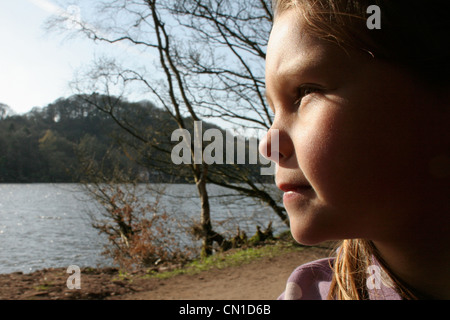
(354, 138)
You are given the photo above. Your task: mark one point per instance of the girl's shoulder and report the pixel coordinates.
(312, 281)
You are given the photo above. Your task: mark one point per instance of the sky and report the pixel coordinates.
(36, 66)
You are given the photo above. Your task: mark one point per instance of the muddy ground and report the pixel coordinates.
(261, 279)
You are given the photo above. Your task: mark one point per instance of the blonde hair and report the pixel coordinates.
(407, 39)
(352, 261)
(412, 34)
(350, 271)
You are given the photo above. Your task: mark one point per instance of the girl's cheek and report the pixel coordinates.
(328, 157)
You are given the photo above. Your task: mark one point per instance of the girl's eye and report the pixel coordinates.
(304, 91)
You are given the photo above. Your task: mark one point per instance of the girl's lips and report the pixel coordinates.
(295, 192)
(294, 187)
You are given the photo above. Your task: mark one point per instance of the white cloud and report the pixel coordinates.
(47, 6)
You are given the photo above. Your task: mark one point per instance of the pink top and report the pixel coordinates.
(312, 281)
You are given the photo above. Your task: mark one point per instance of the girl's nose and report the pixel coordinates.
(277, 145)
(269, 146)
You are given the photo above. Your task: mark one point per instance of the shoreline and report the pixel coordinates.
(111, 283)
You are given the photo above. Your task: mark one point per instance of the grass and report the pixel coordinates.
(43, 287)
(231, 258)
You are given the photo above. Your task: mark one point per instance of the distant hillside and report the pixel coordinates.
(55, 143)
(5, 111)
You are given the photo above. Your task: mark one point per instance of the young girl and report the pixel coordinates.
(362, 117)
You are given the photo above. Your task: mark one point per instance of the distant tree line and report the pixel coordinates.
(55, 143)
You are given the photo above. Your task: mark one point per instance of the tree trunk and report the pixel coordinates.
(206, 226)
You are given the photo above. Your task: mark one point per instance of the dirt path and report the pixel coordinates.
(263, 279)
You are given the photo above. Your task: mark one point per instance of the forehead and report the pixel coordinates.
(290, 42)
(287, 35)
(293, 54)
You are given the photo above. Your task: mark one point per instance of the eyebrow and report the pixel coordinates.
(303, 67)
(294, 70)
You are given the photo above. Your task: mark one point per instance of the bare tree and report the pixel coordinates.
(224, 62)
(227, 56)
(192, 41)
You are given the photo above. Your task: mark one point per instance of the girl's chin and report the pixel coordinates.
(311, 227)
(307, 235)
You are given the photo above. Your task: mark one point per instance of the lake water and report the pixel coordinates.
(48, 225)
